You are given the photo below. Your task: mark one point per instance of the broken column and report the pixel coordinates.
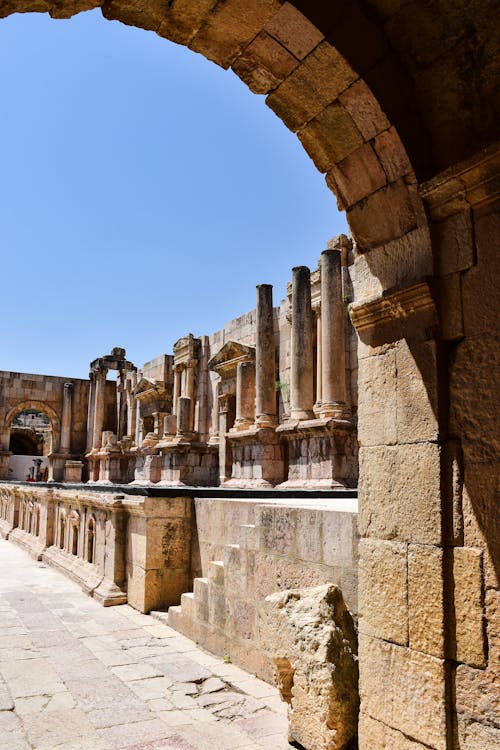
(301, 380)
(333, 401)
(265, 366)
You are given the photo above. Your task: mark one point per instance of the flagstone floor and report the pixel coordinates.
(77, 676)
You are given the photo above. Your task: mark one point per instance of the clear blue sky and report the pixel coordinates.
(144, 193)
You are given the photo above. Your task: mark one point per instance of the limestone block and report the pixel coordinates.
(330, 137)
(383, 590)
(386, 215)
(451, 317)
(475, 378)
(425, 599)
(395, 480)
(356, 176)
(373, 734)
(404, 689)
(377, 406)
(312, 639)
(455, 242)
(477, 694)
(476, 736)
(364, 109)
(309, 535)
(294, 31)
(295, 574)
(392, 154)
(230, 27)
(417, 400)
(469, 609)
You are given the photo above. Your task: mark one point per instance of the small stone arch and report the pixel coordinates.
(90, 539)
(41, 406)
(61, 528)
(74, 528)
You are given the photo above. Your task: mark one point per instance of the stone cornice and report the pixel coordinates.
(393, 306)
(470, 184)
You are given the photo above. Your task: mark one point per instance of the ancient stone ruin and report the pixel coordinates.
(396, 104)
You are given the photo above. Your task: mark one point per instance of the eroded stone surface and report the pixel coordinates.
(313, 641)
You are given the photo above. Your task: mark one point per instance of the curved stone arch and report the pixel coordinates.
(318, 95)
(39, 406)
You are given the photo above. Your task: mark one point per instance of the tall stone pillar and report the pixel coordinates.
(99, 408)
(190, 371)
(301, 381)
(177, 389)
(91, 411)
(65, 444)
(184, 416)
(245, 395)
(319, 359)
(131, 408)
(265, 365)
(332, 336)
(121, 404)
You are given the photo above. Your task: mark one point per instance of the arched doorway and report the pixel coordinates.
(32, 427)
(384, 96)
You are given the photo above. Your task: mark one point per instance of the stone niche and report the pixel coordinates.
(249, 454)
(312, 638)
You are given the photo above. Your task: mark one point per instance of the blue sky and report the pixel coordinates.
(144, 193)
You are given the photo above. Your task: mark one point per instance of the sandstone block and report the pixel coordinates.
(455, 243)
(294, 31)
(330, 137)
(394, 479)
(425, 599)
(383, 590)
(356, 176)
(417, 400)
(378, 402)
(469, 608)
(404, 689)
(264, 64)
(374, 734)
(392, 155)
(385, 215)
(364, 109)
(311, 636)
(477, 736)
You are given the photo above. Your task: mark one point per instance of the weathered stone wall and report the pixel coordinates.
(20, 391)
(245, 550)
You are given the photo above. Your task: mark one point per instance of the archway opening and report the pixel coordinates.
(31, 441)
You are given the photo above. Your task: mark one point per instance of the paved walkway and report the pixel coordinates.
(77, 676)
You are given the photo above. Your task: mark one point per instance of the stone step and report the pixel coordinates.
(232, 556)
(175, 617)
(216, 572)
(200, 586)
(188, 605)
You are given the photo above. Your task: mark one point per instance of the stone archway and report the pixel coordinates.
(392, 103)
(38, 406)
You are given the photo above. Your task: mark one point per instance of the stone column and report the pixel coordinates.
(319, 360)
(99, 408)
(177, 388)
(131, 410)
(121, 404)
(265, 364)
(332, 335)
(190, 370)
(245, 395)
(184, 416)
(65, 444)
(226, 417)
(91, 412)
(301, 382)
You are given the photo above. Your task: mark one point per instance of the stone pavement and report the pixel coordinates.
(78, 676)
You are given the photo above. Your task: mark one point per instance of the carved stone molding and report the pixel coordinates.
(394, 306)
(470, 184)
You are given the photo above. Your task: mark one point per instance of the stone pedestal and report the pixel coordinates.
(319, 453)
(257, 458)
(73, 471)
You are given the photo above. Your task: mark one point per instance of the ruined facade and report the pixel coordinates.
(396, 103)
(269, 401)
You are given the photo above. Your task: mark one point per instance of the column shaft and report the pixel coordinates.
(333, 335)
(91, 411)
(265, 365)
(319, 360)
(301, 381)
(65, 445)
(245, 395)
(99, 409)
